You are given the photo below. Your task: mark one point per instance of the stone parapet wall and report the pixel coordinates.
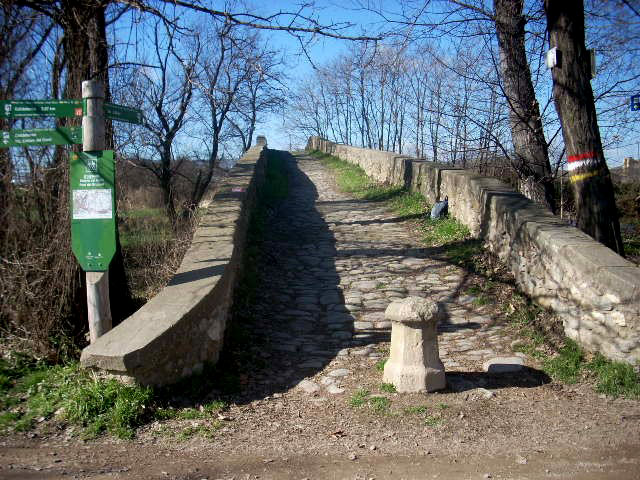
(182, 327)
(593, 290)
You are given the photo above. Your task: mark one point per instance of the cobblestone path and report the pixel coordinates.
(332, 265)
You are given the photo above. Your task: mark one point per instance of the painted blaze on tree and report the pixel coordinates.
(596, 212)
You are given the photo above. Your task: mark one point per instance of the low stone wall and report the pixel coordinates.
(593, 290)
(183, 326)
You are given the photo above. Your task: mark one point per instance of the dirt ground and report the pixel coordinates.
(324, 413)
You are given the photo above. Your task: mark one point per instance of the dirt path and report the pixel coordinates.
(313, 405)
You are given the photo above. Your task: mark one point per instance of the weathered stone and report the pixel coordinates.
(414, 364)
(340, 372)
(307, 386)
(503, 365)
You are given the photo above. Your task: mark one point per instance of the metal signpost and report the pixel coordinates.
(92, 175)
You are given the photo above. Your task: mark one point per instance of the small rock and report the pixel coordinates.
(308, 386)
(353, 456)
(503, 365)
(484, 393)
(372, 447)
(520, 460)
(487, 475)
(340, 372)
(335, 390)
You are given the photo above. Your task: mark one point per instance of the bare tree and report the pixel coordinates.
(166, 93)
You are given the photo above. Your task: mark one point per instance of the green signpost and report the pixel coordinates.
(122, 113)
(41, 136)
(93, 209)
(40, 108)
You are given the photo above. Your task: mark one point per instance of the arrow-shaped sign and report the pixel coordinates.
(40, 108)
(122, 113)
(41, 136)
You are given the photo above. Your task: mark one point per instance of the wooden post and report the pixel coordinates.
(93, 128)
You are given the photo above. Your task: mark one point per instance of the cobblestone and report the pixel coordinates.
(333, 264)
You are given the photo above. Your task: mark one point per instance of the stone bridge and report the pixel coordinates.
(331, 264)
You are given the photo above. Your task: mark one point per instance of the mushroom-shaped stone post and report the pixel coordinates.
(414, 364)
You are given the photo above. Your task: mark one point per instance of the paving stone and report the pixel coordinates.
(340, 372)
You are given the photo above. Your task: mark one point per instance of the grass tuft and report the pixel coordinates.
(359, 398)
(614, 378)
(388, 388)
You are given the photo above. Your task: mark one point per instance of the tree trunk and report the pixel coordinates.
(532, 158)
(86, 50)
(596, 212)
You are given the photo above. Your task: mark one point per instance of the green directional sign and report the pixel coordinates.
(40, 108)
(122, 113)
(41, 136)
(93, 209)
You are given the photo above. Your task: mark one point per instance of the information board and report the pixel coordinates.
(93, 219)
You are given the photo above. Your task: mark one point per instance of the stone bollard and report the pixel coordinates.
(414, 364)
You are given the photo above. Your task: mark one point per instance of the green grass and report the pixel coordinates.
(380, 364)
(144, 226)
(614, 378)
(359, 398)
(443, 231)
(567, 364)
(416, 410)
(409, 203)
(380, 405)
(388, 388)
(432, 421)
(76, 397)
(34, 393)
(202, 430)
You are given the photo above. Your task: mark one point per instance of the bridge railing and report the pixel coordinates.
(182, 327)
(593, 290)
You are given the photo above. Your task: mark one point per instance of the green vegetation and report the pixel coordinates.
(33, 392)
(143, 226)
(72, 395)
(614, 378)
(417, 410)
(432, 421)
(388, 388)
(380, 405)
(570, 363)
(359, 398)
(567, 364)
(423, 411)
(444, 230)
(352, 179)
(380, 364)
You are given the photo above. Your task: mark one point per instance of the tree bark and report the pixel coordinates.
(87, 57)
(532, 157)
(596, 212)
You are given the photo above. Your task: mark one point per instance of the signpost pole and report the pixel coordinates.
(93, 129)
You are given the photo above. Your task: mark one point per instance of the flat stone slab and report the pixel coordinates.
(503, 365)
(307, 386)
(340, 372)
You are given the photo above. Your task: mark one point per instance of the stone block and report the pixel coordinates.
(414, 364)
